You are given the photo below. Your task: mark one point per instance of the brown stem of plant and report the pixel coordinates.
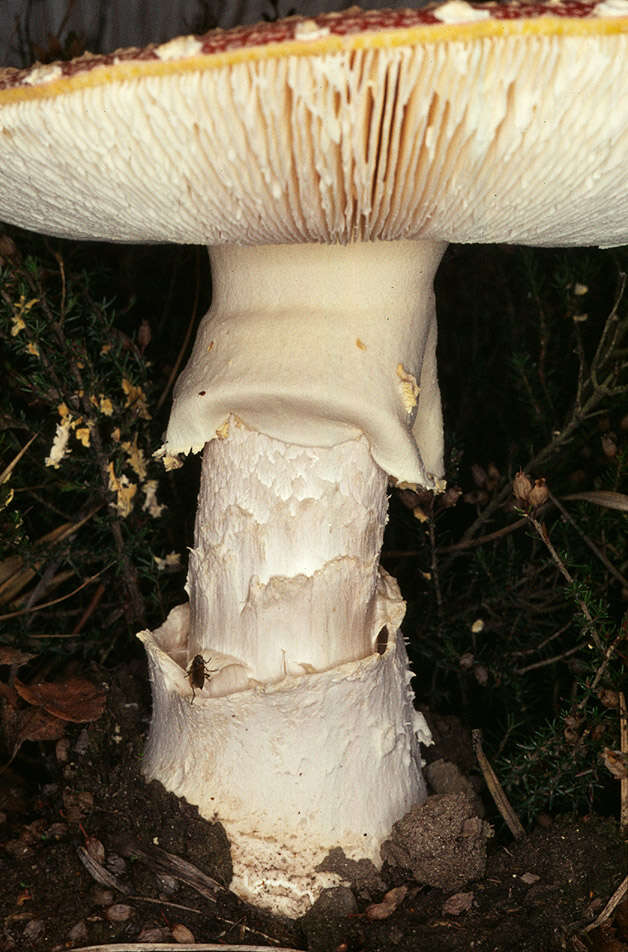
(610, 906)
(590, 393)
(594, 548)
(558, 562)
(621, 636)
(546, 661)
(623, 743)
(496, 790)
(184, 346)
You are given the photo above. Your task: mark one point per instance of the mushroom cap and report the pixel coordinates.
(456, 122)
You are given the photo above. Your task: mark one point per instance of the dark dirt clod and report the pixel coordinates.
(441, 842)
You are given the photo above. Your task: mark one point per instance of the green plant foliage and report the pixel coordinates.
(82, 503)
(517, 606)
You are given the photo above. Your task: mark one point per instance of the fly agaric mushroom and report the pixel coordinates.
(325, 162)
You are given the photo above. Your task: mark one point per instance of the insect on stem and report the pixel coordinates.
(197, 673)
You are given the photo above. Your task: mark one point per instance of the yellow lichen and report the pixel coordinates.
(83, 435)
(171, 561)
(137, 461)
(136, 398)
(124, 491)
(17, 325)
(20, 309)
(150, 503)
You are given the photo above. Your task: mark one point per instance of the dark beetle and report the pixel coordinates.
(197, 672)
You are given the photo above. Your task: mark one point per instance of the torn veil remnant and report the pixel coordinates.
(326, 162)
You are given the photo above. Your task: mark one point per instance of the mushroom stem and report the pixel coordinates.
(313, 377)
(284, 570)
(316, 345)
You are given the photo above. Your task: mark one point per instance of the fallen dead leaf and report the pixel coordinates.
(12, 656)
(74, 700)
(28, 724)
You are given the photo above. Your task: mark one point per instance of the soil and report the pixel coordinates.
(92, 855)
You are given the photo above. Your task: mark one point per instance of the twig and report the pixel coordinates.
(598, 552)
(482, 540)
(434, 566)
(546, 661)
(496, 790)
(180, 947)
(560, 565)
(623, 633)
(623, 743)
(585, 407)
(546, 641)
(55, 601)
(91, 608)
(184, 345)
(610, 906)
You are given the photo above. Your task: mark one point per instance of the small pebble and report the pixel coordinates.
(62, 748)
(102, 896)
(182, 934)
(95, 849)
(34, 930)
(57, 830)
(119, 912)
(167, 883)
(115, 864)
(82, 742)
(457, 904)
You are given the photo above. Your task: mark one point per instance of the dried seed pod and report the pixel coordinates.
(521, 487)
(539, 494)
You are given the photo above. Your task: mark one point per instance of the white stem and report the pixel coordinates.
(312, 377)
(316, 345)
(284, 568)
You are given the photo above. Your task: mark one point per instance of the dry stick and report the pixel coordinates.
(598, 552)
(192, 876)
(91, 608)
(497, 791)
(585, 407)
(610, 906)
(55, 601)
(623, 633)
(184, 346)
(180, 947)
(482, 540)
(539, 647)
(546, 661)
(623, 735)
